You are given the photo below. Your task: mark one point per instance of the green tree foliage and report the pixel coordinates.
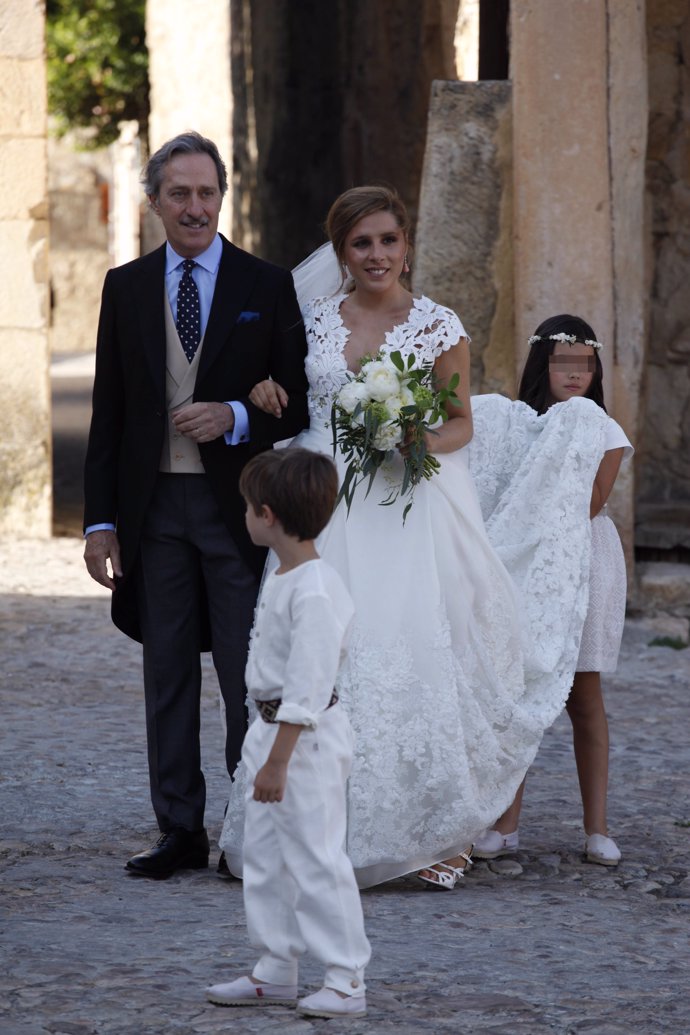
(97, 66)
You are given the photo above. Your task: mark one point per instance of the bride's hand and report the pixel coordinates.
(404, 447)
(270, 397)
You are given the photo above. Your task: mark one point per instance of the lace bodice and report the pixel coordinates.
(430, 329)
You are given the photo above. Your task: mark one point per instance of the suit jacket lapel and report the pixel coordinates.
(236, 275)
(149, 291)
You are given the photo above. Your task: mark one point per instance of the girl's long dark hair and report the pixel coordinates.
(534, 383)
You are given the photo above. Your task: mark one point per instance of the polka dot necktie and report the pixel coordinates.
(188, 312)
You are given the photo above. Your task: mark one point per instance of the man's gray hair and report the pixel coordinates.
(190, 143)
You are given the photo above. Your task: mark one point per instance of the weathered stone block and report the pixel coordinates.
(667, 586)
(25, 446)
(660, 626)
(22, 97)
(463, 255)
(21, 29)
(23, 178)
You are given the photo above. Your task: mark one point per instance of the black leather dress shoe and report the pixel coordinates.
(176, 849)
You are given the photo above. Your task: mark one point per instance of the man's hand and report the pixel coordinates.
(270, 397)
(100, 547)
(202, 422)
(270, 782)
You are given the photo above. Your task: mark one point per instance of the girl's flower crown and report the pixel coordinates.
(562, 336)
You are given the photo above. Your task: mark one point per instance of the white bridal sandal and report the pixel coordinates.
(446, 876)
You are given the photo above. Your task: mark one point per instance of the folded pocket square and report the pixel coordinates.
(247, 316)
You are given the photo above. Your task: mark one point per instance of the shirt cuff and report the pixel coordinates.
(296, 715)
(105, 527)
(240, 431)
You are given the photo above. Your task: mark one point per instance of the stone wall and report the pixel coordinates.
(25, 499)
(664, 448)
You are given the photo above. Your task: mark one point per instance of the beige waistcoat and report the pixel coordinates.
(180, 455)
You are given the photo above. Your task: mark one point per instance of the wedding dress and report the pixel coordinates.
(446, 693)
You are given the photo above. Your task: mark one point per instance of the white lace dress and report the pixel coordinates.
(603, 628)
(444, 719)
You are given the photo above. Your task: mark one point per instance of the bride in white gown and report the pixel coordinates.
(444, 721)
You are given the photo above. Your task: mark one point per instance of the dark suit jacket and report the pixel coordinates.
(254, 331)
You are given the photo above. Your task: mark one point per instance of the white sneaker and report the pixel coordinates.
(601, 849)
(327, 1003)
(493, 843)
(243, 992)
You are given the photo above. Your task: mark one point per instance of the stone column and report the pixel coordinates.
(628, 119)
(25, 446)
(189, 71)
(579, 110)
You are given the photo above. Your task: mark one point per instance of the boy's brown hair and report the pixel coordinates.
(299, 486)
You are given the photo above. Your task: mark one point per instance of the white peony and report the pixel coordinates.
(395, 405)
(387, 437)
(352, 393)
(382, 380)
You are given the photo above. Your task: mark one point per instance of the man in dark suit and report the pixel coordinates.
(184, 334)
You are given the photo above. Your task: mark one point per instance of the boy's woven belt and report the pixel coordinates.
(269, 709)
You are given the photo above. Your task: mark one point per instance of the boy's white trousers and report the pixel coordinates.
(300, 891)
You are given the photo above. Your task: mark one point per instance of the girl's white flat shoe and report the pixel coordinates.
(601, 849)
(493, 844)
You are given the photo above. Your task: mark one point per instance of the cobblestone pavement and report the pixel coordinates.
(540, 943)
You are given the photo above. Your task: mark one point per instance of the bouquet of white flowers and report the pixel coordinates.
(390, 402)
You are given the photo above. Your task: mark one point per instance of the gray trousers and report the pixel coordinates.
(186, 550)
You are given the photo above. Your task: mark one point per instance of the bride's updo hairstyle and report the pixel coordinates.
(356, 203)
(534, 383)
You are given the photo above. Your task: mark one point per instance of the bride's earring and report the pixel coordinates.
(406, 265)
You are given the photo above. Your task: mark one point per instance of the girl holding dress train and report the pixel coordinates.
(563, 364)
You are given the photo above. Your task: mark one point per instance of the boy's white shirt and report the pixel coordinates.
(299, 639)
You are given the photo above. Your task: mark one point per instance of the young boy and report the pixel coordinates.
(299, 888)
